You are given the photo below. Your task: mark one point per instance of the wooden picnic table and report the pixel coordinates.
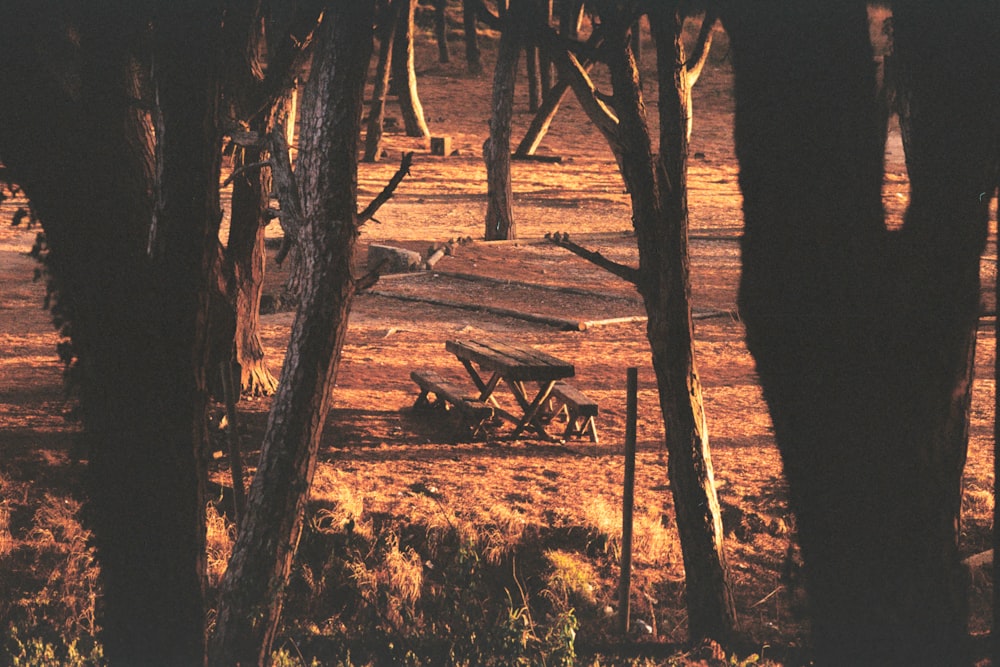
(515, 365)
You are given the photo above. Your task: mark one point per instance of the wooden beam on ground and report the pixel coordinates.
(557, 322)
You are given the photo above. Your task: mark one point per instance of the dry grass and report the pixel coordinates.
(219, 539)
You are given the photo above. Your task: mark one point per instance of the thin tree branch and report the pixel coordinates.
(368, 280)
(387, 192)
(623, 271)
(244, 169)
(699, 54)
(583, 87)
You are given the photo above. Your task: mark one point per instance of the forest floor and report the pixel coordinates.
(544, 517)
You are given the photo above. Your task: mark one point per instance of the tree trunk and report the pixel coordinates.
(388, 21)
(544, 62)
(496, 151)
(441, 30)
(473, 59)
(245, 255)
(404, 72)
(658, 188)
(534, 90)
(137, 317)
(251, 601)
(863, 338)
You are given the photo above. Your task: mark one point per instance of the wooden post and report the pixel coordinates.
(628, 496)
(230, 389)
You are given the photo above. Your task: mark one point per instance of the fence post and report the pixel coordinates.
(628, 497)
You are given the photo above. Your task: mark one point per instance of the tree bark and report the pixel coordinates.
(658, 188)
(496, 151)
(441, 30)
(387, 25)
(251, 601)
(245, 258)
(137, 310)
(544, 62)
(404, 72)
(534, 89)
(864, 339)
(473, 58)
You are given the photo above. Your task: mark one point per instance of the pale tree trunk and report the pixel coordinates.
(388, 20)
(245, 258)
(251, 600)
(658, 188)
(863, 338)
(496, 151)
(404, 72)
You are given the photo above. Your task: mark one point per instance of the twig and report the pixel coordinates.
(623, 271)
(767, 597)
(386, 194)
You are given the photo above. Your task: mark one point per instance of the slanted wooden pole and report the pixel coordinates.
(628, 498)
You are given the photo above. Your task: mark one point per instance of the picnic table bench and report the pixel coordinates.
(474, 412)
(579, 410)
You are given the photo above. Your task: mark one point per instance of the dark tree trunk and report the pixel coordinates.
(534, 90)
(251, 602)
(496, 151)
(863, 338)
(388, 21)
(138, 312)
(245, 257)
(473, 58)
(658, 188)
(404, 73)
(544, 62)
(441, 29)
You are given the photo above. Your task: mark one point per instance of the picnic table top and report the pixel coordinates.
(511, 361)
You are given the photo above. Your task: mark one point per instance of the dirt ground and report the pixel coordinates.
(376, 450)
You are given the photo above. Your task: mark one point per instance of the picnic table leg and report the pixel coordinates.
(486, 389)
(531, 410)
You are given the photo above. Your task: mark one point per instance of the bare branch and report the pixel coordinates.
(368, 280)
(240, 136)
(244, 169)
(386, 194)
(699, 54)
(623, 271)
(583, 87)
